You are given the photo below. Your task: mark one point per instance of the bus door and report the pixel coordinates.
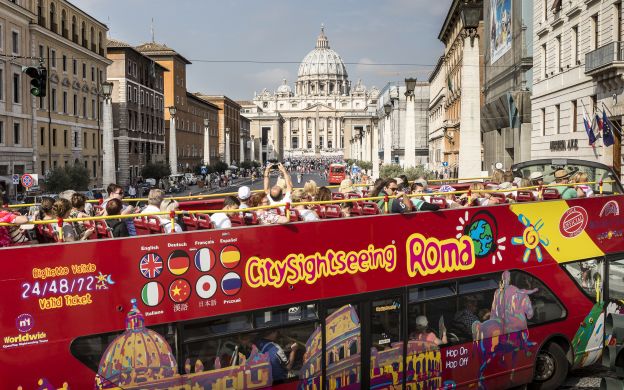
(363, 342)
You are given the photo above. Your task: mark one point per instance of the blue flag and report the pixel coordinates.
(607, 132)
(589, 128)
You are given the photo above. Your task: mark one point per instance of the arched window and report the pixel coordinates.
(40, 15)
(353, 346)
(64, 23)
(100, 49)
(74, 30)
(83, 35)
(341, 353)
(92, 39)
(53, 26)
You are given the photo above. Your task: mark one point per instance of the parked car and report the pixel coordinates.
(191, 179)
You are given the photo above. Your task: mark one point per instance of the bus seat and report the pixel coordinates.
(236, 219)
(90, 225)
(46, 234)
(525, 196)
(190, 221)
(295, 216)
(141, 226)
(97, 209)
(440, 201)
(319, 210)
(551, 193)
(337, 196)
(499, 196)
(102, 229)
(251, 218)
(153, 224)
(357, 209)
(204, 222)
(364, 193)
(333, 211)
(370, 208)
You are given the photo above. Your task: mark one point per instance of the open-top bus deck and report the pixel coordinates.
(490, 297)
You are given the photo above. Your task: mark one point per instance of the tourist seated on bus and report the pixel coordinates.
(221, 220)
(562, 177)
(118, 227)
(276, 193)
(244, 193)
(423, 333)
(266, 216)
(170, 205)
(311, 189)
(404, 185)
(154, 199)
(398, 201)
(497, 176)
(582, 190)
(7, 216)
(45, 209)
(78, 202)
(324, 194)
(537, 178)
(346, 208)
(280, 363)
(116, 191)
(463, 320)
(476, 198)
(450, 198)
(61, 209)
(306, 214)
(346, 187)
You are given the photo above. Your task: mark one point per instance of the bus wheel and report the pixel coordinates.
(551, 368)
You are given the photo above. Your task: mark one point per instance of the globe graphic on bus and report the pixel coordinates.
(481, 234)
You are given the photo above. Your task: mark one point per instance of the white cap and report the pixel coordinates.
(244, 193)
(422, 321)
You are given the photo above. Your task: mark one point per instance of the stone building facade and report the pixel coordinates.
(439, 140)
(323, 116)
(229, 127)
(138, 110)
(507, 82)
(577, 67)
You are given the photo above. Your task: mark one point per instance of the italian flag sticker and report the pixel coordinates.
(152, 293)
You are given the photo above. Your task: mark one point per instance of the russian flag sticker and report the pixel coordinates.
(206, 286)
(230, 256)
(231, 283)
(152, 293)
(204, 259)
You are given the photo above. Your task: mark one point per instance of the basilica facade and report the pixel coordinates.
(323, 115)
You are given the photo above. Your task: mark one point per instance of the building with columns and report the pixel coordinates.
(463, 68)
(138, 110)
(229, 127)
(577, 67)
(322, 116)
(442, 153)
(393, 126)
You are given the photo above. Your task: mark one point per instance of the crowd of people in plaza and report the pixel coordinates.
(306, 203)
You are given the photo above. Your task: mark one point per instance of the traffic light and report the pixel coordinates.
(613, 354)
(39, 76)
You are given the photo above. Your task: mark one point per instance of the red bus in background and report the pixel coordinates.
(490, 297)
(337, 173)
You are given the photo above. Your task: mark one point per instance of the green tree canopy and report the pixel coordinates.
(75, 177)
(155, 170)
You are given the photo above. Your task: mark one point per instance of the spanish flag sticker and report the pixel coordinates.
(230, 257)
(178, 262)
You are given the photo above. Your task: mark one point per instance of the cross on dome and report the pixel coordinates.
(322, 41)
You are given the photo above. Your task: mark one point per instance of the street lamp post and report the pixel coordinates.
(387, 136)
(410, 124)
(206, 142)
(470, 115)
(241, 156)
(227, 146)
(108, 147)
(253, 148)
(173, 149)
(375, 152)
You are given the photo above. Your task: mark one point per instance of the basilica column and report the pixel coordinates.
(301, 134)
(288, 144)
(326, 126)
(314, 135)
(336, 132)
(375, 157)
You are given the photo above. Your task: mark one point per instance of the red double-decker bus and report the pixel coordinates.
(480, 296)
(337, 173)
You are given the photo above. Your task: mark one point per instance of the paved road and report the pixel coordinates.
(257, 185)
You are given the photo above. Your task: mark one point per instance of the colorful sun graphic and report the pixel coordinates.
(483, 231)
(531, 238)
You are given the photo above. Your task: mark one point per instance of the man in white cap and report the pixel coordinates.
(243, 195)
(537, 178)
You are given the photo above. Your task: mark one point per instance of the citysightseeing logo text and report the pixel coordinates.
(297, 268)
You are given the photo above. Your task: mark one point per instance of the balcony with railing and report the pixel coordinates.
(605, 59)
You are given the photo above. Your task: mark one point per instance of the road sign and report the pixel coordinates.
(204, 170)
(445, 163)
(15, 178)
(27, 180)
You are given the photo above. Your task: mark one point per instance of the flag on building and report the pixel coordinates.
(152, 293)
(589, 128)
(607, 130)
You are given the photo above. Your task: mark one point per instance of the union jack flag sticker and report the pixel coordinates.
(151, 265)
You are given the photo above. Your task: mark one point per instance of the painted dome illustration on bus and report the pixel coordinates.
(151, 358)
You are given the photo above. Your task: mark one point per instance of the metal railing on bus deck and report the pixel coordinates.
(289, 206)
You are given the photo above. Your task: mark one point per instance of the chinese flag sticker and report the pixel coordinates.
(179, 290)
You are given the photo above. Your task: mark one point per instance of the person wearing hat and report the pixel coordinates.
(244, 193)
(346, 187)
(566, 192)
(423, 333)
(537, 178)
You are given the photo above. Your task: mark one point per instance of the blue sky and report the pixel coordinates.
(361, 31)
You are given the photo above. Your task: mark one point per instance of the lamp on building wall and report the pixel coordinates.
(108, 147)
(471, 16)
(387, 108)
(173, 150)
(227, 146)
(410, 85)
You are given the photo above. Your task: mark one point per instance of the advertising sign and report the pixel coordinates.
(501, 32)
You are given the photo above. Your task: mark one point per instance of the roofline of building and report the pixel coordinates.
(158, 54)
(221, 97)
(87, 15)
(437, 69)
(201, 100)
(136, 51)
(449, 16)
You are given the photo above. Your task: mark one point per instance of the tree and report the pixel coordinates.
(388, 171)
(156, 171)
(245, 165)
(219, 167)
(365, 165)
(256, 164)
(74, 177)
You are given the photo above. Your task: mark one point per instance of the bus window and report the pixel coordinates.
(588, 274)
(386, 343)
(616, 280)
(234, 323)
(343, 347)
(545, 306)
(283, 316)
(432, 292)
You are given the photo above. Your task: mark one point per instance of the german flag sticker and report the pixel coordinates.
(178, 262)
(230, 257)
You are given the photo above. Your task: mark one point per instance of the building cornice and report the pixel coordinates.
(20, 11)
(75, 46)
